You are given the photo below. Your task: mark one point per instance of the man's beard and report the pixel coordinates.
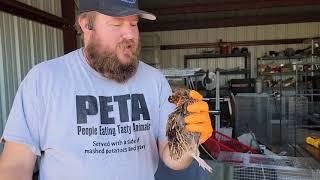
(108, 64)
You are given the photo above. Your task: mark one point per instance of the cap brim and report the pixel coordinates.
(121, 11)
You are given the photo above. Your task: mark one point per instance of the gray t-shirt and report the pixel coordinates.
(85, 126)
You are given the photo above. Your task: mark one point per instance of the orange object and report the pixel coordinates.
(314, 141)
(199, 120)
(195, 95)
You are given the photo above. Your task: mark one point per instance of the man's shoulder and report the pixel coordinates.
(56, 64)
(147, 69)
(61, 60)
(152, 75)
(51, 68)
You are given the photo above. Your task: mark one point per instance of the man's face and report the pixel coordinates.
(113, 46)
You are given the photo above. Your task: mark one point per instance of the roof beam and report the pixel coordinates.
(230, 6)
(229, 22)
(28, 12)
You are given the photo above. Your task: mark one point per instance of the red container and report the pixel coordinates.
(220, 142)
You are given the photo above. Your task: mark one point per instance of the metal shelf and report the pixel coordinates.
(276, 73)
(303, 100)
(305, 63)
(287, 57)
(243, 71)
(199, 56)
(246, 57)
(288, 73)
(280, 58)
(277, 88)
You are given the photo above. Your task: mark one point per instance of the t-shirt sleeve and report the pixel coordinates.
(23, 121)
(165, 108)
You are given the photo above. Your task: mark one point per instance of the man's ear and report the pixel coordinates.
(83, 22)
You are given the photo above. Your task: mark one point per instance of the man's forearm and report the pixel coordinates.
(180, 164)
(11, 168)
(17, 174)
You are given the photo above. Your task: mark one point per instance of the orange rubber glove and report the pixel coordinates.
(199, 120)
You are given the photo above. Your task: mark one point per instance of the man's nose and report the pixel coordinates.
(128, 32)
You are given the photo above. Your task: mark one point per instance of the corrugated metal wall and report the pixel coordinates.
(174, 58)
(23, 44)
(50, 6)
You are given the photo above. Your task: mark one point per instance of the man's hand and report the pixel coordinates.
(199, 120)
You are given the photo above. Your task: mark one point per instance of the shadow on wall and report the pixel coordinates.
(191, 173)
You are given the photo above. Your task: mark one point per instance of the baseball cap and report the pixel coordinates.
(116, 8)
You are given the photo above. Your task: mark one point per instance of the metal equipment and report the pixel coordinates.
(239, 166)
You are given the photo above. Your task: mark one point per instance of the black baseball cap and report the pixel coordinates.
(116, 8)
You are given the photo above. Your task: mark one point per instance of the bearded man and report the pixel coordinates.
(97, 112)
